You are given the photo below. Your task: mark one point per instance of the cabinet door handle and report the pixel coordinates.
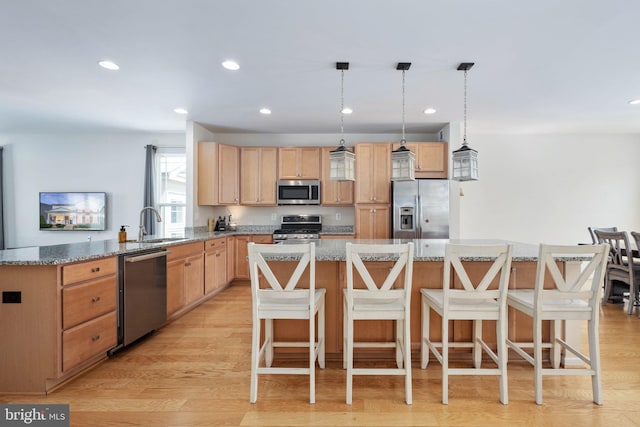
(95, 338)
(187, 264)
(95, 269)
(95, 299)
(217, 254)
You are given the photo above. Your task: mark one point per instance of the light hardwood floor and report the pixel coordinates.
(195, 372)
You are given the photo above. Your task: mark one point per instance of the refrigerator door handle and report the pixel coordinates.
(418, 218)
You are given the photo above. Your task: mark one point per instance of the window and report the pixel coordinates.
(171, 185)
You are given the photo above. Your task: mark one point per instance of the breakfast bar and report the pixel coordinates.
(50, 334)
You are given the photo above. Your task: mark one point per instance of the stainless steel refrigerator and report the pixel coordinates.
(421, 209)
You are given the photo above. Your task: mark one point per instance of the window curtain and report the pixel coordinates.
(1, 207)
(149, 218)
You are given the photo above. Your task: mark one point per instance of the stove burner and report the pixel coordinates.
(298, 227)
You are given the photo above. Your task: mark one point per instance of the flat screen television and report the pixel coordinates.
(73, 211)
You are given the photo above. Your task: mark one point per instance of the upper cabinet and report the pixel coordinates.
(299, 163)
(258, 175)
(228, 167)
(373, 172)
(334, 192)
(431, 158)
(218, 181)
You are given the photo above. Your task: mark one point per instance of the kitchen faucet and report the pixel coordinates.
(143, 230)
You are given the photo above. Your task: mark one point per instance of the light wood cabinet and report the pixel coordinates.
(334, 193)
(431, 158)
(299, 163)
(218, 180)
(373, 172)
(89, 311)
(229, 182)
(258, 175)
(242, 264)
(215, 264)
(185, 276)
(373, 221)
(231, 258)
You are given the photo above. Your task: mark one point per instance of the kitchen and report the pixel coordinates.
(538, 182)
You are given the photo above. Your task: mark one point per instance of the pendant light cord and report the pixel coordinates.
(341, 107)
(403, 141)
(464, 136)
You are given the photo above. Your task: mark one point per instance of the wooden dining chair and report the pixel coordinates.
(620, 266)
(283, 299)
(387, 299)
(592, 232)
(473, 300)
(561, 300)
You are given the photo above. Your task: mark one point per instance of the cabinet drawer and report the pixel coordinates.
(88, 340)
(88, 270)
(86, 301)
(214, 244)
(181, 251)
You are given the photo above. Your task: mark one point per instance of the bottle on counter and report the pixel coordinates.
(122, 234)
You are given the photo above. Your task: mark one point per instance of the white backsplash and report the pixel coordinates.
(262, 215)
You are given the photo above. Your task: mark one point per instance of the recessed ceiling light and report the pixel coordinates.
(430, 111)
(347, 110)
(231, 65)
(109, 65)
(180, 111)
(265, 111)
(634, 101)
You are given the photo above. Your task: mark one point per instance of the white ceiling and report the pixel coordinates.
(561, 66)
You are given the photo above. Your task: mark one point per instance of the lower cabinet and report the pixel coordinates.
(215, 264)
(89, 316)
(373, 221)
(185, 275)
(242, 264)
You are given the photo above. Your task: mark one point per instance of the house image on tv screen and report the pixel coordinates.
(72, 211)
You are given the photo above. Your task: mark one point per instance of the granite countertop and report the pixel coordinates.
(326, 250)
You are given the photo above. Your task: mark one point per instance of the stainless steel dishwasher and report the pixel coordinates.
(142, 294)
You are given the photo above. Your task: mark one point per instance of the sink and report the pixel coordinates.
(162, 240)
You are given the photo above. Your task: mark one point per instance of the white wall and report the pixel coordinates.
(549, 188)
(113, 163)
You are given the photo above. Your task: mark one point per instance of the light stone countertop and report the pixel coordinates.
(326, 250)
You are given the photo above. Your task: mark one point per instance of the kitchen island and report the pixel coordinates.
(41, 325)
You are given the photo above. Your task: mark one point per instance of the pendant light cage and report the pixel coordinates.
(342, 160)
(403, 160)
(465, 159)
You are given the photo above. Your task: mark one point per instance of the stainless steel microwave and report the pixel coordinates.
(298, 192)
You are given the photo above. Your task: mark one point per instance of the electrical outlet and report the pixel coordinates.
(338, 216)
(273, 217)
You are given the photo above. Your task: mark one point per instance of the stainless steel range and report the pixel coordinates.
(298, 228)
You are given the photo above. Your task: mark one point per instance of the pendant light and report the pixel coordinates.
(465, 159)
(341, 160)
(402, 159)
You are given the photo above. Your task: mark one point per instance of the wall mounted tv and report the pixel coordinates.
(73, 211)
